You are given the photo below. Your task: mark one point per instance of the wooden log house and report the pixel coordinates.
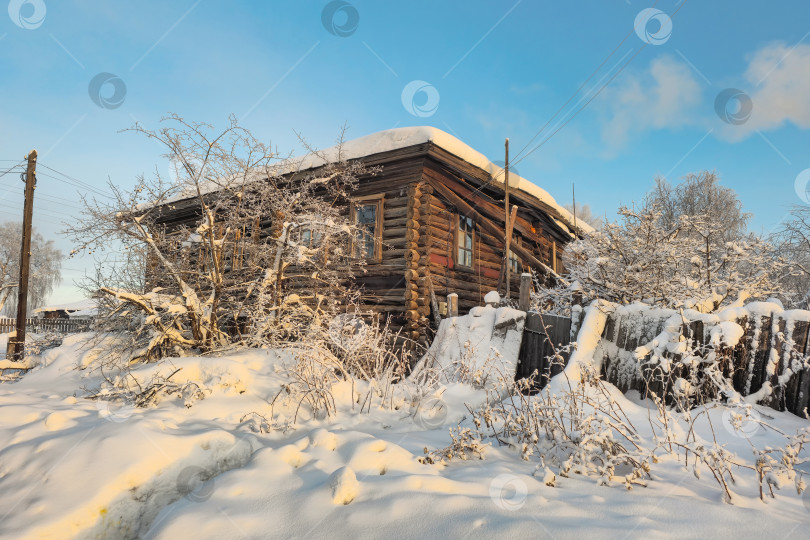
(434, 224)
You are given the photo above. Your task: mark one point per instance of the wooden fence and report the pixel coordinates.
(63, 326)
(542, 335)
(773, 350)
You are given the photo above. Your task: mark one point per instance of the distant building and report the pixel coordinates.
(81, 310)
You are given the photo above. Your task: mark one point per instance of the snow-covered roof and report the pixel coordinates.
(71, 307)
(393, 139)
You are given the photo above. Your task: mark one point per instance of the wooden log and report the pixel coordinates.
(799, 339)
(394, 232)
(390, 308)
(452, 305)
(394, 213)
(776, 400)
(762, 354)
(525, 291)
(470, 289)
(802, 402)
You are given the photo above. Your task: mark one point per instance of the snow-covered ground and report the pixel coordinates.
(76, 467)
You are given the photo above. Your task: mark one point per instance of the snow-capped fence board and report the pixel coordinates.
(799, 383)
(64, 326)
(542, 334)
(769, 362)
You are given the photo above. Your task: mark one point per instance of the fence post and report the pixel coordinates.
(524, 300)
(452, 305)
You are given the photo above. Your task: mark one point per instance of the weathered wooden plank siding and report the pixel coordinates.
(772, 350)
(472, 283)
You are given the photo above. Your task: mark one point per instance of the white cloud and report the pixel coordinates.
(664, 96)
(778, 77)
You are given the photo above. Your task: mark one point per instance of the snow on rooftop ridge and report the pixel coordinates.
(393, 139)
(79, 305)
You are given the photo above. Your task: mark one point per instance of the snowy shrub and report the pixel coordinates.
(793, 241)
(466, 444)
(348, 354)
(42, 342)
(577, 423)
(577, 428)
(252, 227)
(555, 300)
(130, 389)
(639, 260)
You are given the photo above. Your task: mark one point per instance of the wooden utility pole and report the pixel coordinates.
(507, 235)
(574, 199)
(25, 258)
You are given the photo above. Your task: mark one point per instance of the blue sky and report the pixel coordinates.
(498, 69)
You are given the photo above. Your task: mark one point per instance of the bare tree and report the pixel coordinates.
(700, 195)
(222, 237)
(45, 269)
(793, 240)
(584, 213)
(641, 259)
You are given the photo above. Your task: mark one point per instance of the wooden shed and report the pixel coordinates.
(434, 224)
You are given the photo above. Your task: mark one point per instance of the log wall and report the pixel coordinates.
(441, 222)
(418, 239)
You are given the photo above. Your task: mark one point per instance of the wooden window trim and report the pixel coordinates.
(456, 246)
(379, 200)
(514, 256)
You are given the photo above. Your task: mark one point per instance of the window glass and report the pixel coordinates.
(514, 262)
(366, 222)
(465, 241)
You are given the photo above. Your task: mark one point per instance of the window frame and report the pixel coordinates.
(517, 268)
(378, 201)
(314, 240)
(458, 249)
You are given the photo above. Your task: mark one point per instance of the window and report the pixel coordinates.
(515, 265)
(367, 219)
(514, 262)
(305, 236)
(465, 241)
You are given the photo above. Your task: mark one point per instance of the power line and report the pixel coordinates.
(76, 182)
(574, 115)
(81, 187)
(544, 141)
(48, 198)
(39, 212)
(13, 167)
(578, 90)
